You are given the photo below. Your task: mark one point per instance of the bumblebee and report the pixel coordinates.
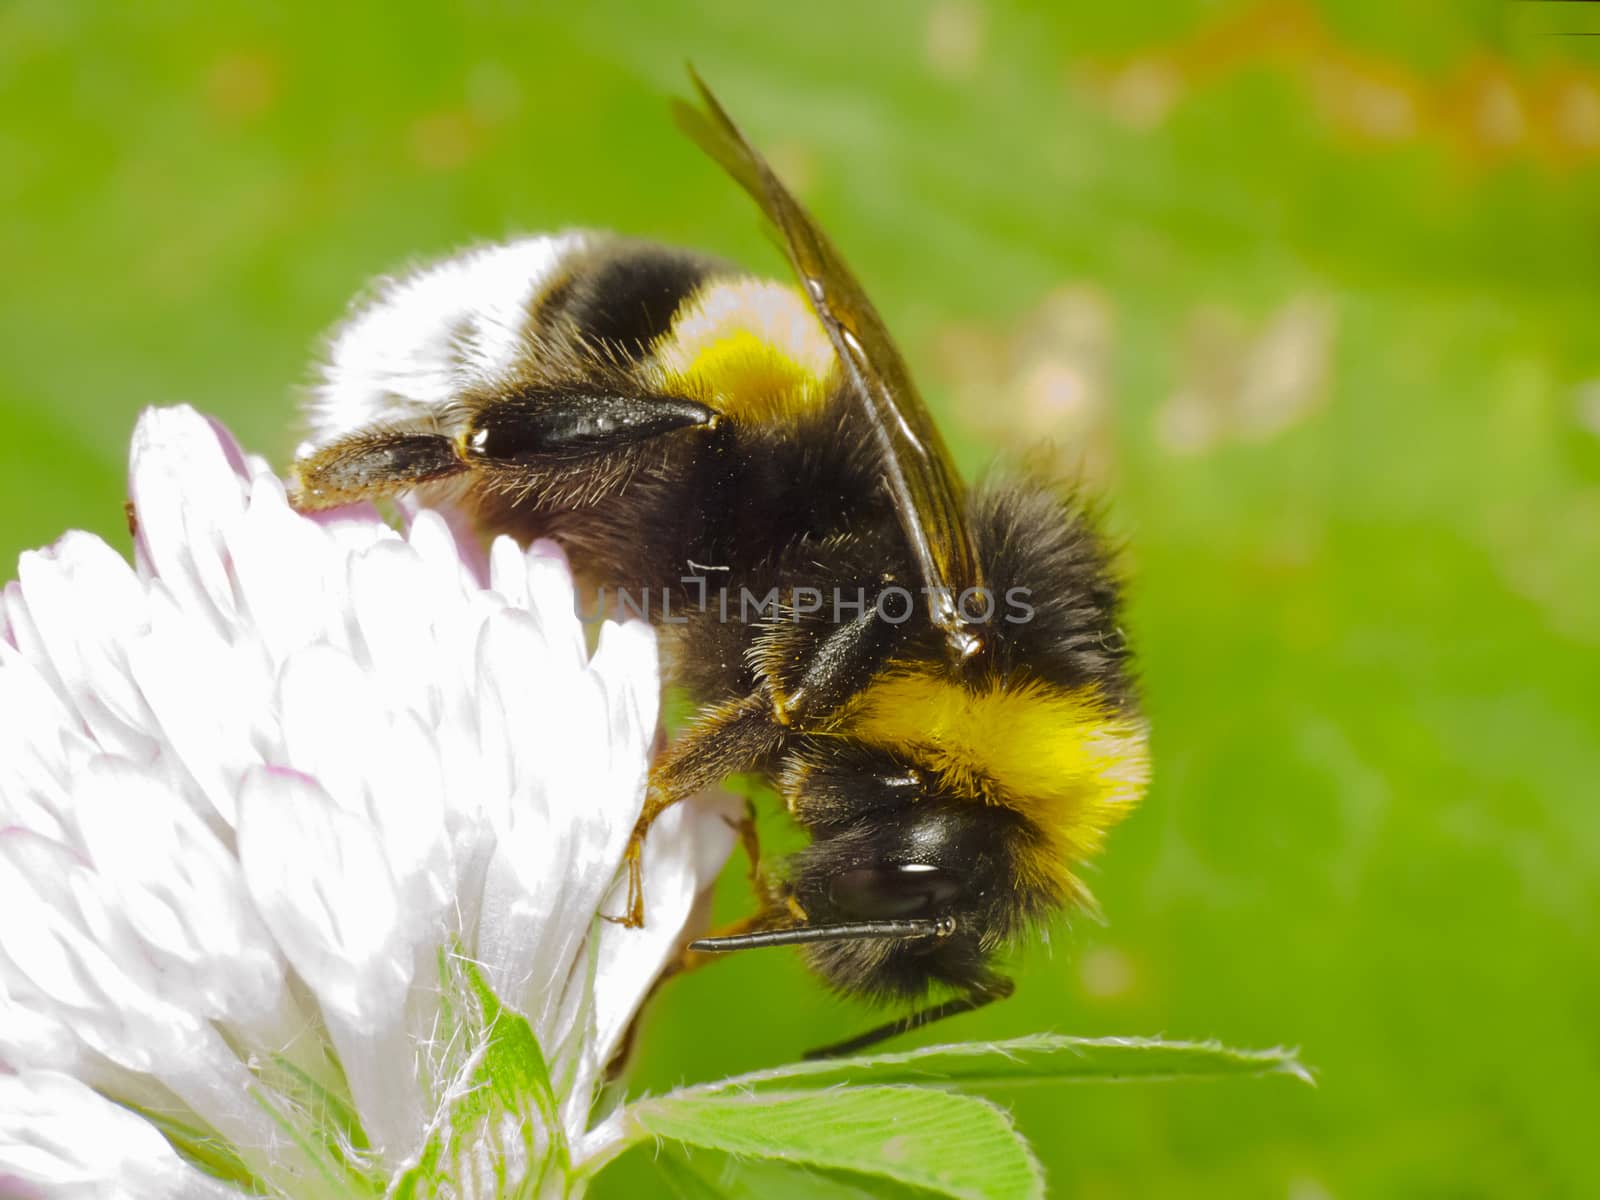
(932, 678)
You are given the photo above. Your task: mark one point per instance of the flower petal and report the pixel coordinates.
(39, 741)
(187, 497)
(23, 636)
(210, 698)
(457, 527)
(323, 885)
(262, 800)
(549, 866)
(395, 620)
(65, 939)
(32, 1033)
(60, 1137)
(320, 880)
(683, 856)
(87, 605)
(553, 601)
(290, 574)
(181, 891)
(375, 762)
(625, 664)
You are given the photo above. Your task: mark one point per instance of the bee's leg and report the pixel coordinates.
(734, 737)
(569, 449)
(521, 444)
(995, 988)
(375, 462)
(750, 839)
(743, 734)
(556, 427)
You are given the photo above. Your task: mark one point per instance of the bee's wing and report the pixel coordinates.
(917, 467)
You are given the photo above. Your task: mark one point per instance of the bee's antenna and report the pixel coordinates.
(997, 988)
(849, 932)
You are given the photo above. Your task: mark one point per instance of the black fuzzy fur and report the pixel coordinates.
(800, 505)
(773, 509)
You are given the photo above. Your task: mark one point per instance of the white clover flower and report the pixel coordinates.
(305, 830)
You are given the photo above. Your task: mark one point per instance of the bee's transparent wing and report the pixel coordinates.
(918, 469)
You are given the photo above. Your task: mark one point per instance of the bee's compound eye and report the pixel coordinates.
(888, 891)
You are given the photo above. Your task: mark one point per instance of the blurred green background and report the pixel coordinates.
(1309, 289)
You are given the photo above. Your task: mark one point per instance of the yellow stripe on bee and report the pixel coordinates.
(1066, 760)
(750, 348)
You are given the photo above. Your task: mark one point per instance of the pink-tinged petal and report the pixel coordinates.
(181, 892)
(62, 1140)
(577, 796)
(552, 709)
(187, 498)
(336, 754)
(622, 679)
(458, 608)
(87, 605)
(233, 453)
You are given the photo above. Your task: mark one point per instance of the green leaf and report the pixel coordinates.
(1040, 1058)
(686, 1181)
(947, 1144)
(789, 1113)
(709, 1175)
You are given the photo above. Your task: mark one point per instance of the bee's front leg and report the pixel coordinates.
(370, 463)
(656, 802)
(742, 735)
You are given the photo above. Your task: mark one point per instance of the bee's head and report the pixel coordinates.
(891, 843)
